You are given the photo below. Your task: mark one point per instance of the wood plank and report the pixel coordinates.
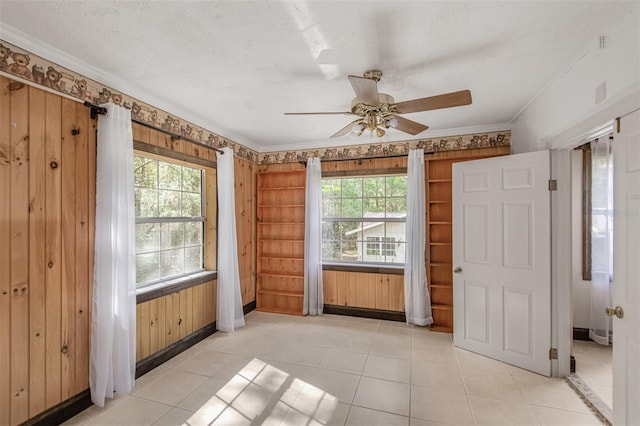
(37, 251)
(153, 326)
(19, 275)
(53, 237)
(5, 253)
(68, 171)
(160, 320)
(198, 307)
(92, 213)
(210, 233)
(143, 332)
(210, 304)
(83, 252)
(173, 331)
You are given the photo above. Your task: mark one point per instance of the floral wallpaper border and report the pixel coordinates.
(373, 150)
(26, 65)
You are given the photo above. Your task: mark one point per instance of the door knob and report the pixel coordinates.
(617, 311)
(457, 269)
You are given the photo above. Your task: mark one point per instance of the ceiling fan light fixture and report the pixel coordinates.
(380, 132)
(393, 122)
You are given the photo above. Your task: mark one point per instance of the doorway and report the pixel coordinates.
(592, 266)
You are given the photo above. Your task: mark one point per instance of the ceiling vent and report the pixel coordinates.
(603, 42)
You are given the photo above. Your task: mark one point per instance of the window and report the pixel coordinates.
(169, 220)
(363, 219)
(597, 205)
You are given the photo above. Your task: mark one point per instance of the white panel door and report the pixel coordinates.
(626, 272)
(502, 259)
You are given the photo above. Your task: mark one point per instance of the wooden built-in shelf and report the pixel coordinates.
(438, 177)
(269, 206)
(279, 188)
(281, 276)
(280, 283)
(280, 223)
(283, 293)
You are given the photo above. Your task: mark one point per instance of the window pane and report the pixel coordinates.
(145, 172)
(171, 262)
(351, 230)
(147, 267)
(396, 186)
(352, 207)
(191, 204)
(169, 175)
(191, 180)
(350, 250)
(193, 233)
(192, 259)
(331, 207)
(331, 188)
(399, 257)
(396, 205)
(331, 230)
(172, 235)
(331, 250)
(374, 187)
(169, 203)
(352, 188)
(373, 205)
(147, 237)
(146, 203)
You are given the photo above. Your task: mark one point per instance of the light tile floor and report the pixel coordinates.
(593, 365)
(335, 370)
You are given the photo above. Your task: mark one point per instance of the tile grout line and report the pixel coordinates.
(464, 383)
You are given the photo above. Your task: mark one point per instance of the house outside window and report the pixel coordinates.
(169, 220)
(363, 219)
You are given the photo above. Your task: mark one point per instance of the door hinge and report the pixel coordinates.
(553, 353)
(553, 185)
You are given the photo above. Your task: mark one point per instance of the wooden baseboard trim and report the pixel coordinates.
(149, 363)
(580, 333)
(63, 411)
(152, 361)
(76, 404)
(251, 306)
(364, 313)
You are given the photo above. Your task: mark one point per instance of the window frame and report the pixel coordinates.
(364, 265)
(210, 204)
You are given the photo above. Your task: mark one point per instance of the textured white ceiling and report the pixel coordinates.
(234, 67)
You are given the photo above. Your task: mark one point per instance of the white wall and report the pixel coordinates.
(569, 100)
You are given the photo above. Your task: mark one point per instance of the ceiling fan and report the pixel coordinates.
(379, 111)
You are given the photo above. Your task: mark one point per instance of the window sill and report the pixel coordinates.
(155, 291)
(364, 268)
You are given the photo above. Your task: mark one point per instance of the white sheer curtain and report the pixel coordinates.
(113, 334)
(229, 314)
(416, 298)
(313, 298)
(601, 238)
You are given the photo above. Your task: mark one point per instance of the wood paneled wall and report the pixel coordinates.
(47, 193)
(165, 320)
(47, 212)
(245, 187)
(364, 290)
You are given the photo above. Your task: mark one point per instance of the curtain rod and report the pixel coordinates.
(98, 110)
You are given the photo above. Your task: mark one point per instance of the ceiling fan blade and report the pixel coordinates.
(447, 100)
(346, 129)
(319, 113)
(409, 126)
(366, 89)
